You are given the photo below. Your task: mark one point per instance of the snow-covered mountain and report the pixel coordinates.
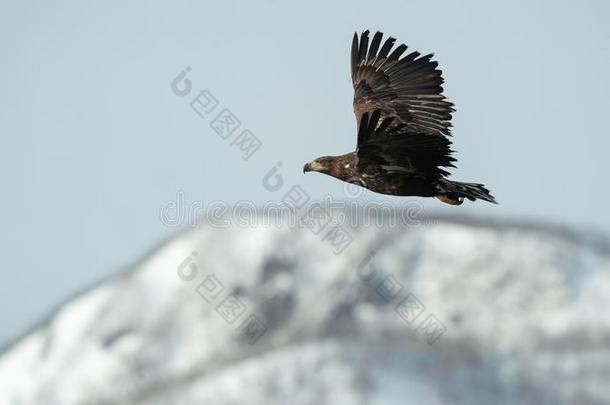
(440, 313)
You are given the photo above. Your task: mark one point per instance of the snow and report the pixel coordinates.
(523, 312)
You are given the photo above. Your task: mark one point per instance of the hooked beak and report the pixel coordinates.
(314, 166)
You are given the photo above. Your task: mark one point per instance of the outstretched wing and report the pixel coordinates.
(407, 88)
(385, 147)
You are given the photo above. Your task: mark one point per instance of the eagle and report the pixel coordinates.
(404, 120)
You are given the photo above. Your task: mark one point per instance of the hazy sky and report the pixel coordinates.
(94, 141)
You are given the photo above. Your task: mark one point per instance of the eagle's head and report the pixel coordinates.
(341, 167)
(323, 164)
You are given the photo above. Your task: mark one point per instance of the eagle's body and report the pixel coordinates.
(377, 179)
(403, 127)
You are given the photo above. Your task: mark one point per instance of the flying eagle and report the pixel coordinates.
(403, 124)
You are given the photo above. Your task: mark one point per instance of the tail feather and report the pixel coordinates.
(454, 192)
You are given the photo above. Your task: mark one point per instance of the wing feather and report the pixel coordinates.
(407, 88)
(384, 147)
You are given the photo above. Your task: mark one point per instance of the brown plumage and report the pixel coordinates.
(403, 126)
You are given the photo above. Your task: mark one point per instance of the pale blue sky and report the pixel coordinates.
(93, 141)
